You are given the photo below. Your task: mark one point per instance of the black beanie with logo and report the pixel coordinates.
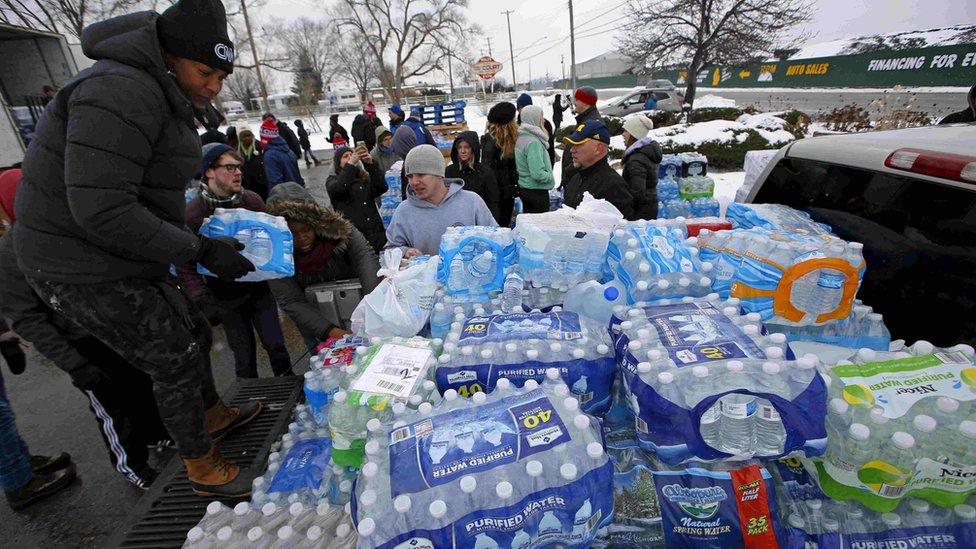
(197, 30)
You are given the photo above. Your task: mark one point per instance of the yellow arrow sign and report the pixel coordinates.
(744, 74)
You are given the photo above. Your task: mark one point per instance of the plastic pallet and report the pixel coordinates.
(170, 508)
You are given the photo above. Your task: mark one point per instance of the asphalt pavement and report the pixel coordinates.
(53, 416)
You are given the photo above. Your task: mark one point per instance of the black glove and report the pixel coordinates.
(210, 309)
(221, 257)
(88, 377)
(14, 355)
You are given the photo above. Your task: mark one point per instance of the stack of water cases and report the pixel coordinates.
(323, 526)
(559, 249)
(683, 190)
(518, 468)
(385, 380)
(391, 198)
(705, 382)
(654, 260)
(266, 239)
(787, 278)
(776, 217)
(475, 260)
(482, 350)
(864, 328)
(901, 426)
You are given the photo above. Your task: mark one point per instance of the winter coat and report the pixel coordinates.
(352, 257)
(568, 169)
(550, 141)
(337, 136)
(102, 197)
(353, 193)
(420, 224)
(557, 112)
(364, 130)
(384, 158)
(478, 178)
(420, 131)
(641, 160)
(601, 181)
(285, 132)
(303, 138)
(229, 293)
(255, 180)
(280, 164)
(506, 174)
(532, 161)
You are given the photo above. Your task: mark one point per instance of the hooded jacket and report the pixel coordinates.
(103, 192)
(303, 136)
(280, 164)
(385, 157)
(567, 161)
(506, 174)
(285, 132)
(601, 181)
(364, 130)
(353, 191)
(478, 178)
(255, 180)
(419, 224)
(531, 158)
(352, 257)
(641, 160)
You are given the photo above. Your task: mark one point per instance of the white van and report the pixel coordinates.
(233, 110)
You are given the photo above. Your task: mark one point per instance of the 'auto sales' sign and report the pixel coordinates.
(486, 67)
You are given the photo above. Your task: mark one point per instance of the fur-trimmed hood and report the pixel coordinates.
(294, 203)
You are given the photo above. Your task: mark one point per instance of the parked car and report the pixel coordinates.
(909, 196)
(660, 84)
(233, 110)
(634, 100)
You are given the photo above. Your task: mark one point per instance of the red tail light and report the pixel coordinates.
(956, 167)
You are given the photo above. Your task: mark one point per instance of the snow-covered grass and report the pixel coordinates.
(721, 131)
(713, 101)
(899, 89)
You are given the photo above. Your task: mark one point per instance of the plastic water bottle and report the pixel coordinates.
(593, 300)
(710, 423)
(738, 417)
(770, 433)
(440, 321)
(512, 292)
(899, 452)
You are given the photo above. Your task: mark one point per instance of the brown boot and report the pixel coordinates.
(213, 476)
(221, 419)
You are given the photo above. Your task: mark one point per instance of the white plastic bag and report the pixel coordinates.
(600, 212)
(401, 303)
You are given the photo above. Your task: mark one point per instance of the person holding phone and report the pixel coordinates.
(354, 187)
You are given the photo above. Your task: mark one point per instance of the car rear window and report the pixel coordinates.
(919, 241)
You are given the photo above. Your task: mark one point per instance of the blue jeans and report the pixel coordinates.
(15, 467)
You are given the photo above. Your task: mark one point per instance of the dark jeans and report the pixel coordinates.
(157, 330)
(308, 153)
(534, 200)
(15, 467)
(505, 206)
(256, 314)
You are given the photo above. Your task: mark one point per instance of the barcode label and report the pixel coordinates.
(641, 425)
(889, 491)
(402, 433)
(952, 357)
(393, 371)
(769, 413)
(389, 385)
(585, 397)
(594, 520)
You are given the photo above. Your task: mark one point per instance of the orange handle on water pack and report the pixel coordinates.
(783, 307)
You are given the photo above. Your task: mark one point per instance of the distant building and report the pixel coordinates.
(611, 63)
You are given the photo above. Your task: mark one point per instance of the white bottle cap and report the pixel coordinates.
(568, 471)
(285, 532)
(553, 373)
(665, 377)
(751, 330)
(603, 349)
(924, 423)
(632, 242)
(313, 534)
(504, 489)
(643, 367)
(479, 398)
(578, 353)
(641, 285)
(367, 498)
(771, 368)
(663, 284)
(340, 397)
(805, 362)
(269, 509)
(839, 406)
(532, 354)
(225, 533)
(700, 371)
(242, 508)
(531, 385)
(796, 521)
(451, 395)
(922, 347)
(859, 432)
(255, 534)
(296, 509)
(903, 440)
(195, 534)
(486, 354)
(562, 390)
(402, 504)
(947, 405)
(968, 428)
(437, 508)
(814, 504)
(366, 527)
(964, 349)
(556, 347)
(731, 312)
(370, 469)
(626, 325)
(735, 366)
(774, 353)
(919, 505)
(684, 282)
(964, 511)
(425, 408)
(581, 421)
(374, 425)
(634, 345)
(533, 468)
(511, 347)
(704, 281)
(468, 484)
(644, 267)
(570, 404)
(594, 450)
(891, 520)
(214, 507)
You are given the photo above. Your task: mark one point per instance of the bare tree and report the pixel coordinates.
(356, 63)
(67, 16)
(698, 33)
(403, 36)
(242, 85)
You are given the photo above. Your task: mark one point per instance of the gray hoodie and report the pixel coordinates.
(419, 224)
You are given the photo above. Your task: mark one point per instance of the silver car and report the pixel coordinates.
(634, 100)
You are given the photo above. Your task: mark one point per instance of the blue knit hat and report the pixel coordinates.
(523, 100)
(211, 152)
(395, 109)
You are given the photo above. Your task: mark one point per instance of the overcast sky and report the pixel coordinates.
(537, 25)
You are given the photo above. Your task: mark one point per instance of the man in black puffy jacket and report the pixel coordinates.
(466, 164)
(590, 144)
(100, 215)
(641, 160)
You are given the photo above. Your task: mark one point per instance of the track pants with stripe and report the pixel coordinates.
(125, 408)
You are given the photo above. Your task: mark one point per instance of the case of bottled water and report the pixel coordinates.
(864, 328)
(326, 370)
(693, 164)
(266, 238)
(703, 382)
(270, 525)
(718, 508)
(696, 186)
(654, 260)
(385, 379)
(637, 513)
(901, 426)
(475, 260)
(675, 208)
(522, 467)
(667, 188)
(560, 249)
(704, 207)
(775, 217)
(482, 350)
(670, 167)
(391, 198)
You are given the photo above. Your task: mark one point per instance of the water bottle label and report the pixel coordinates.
(437, 451)
(303, 467)
(921, 537)
(769, 413)
(558, 326)
(895, 386)
(694, 333)
(392, 370)
(738, 410)
(830, 281)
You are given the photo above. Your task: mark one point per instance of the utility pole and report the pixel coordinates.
(450, 73)
(562, 65)
(254, 54)
(572, 46)
(511, 50)
(488, 38)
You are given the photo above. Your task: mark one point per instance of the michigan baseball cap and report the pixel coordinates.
(591, 129)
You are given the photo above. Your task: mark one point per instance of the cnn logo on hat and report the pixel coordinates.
(224, 52)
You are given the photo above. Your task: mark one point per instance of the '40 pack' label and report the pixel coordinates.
(439, 450)
(698, 332)
(896, 385)
(556, 326)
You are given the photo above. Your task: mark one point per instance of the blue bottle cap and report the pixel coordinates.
(611, 293)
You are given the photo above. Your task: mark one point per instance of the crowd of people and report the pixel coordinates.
(98, 220)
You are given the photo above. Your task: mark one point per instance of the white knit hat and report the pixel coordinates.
(638, 125)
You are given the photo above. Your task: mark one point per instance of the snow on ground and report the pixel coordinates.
(900, 89)
(713, 101)
(718, 130)
(946, 36)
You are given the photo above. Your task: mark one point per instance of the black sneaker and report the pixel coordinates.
(48, 464)
(40, 487)
(147, 475)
